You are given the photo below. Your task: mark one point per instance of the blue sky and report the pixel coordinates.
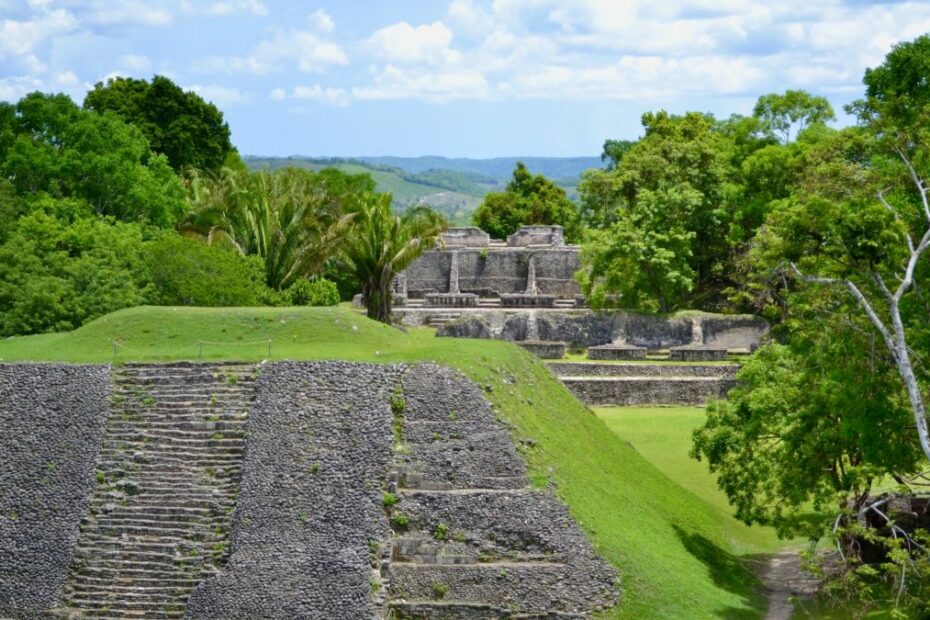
(472, 78)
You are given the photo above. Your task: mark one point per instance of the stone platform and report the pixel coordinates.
(616, 352)
(545, 349)
(697, 353)
(527, 300)
(622, 384)
(452, 300)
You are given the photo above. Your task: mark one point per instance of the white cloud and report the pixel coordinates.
(307, 50)
(119, 13)
(332, 96)
(322, 21)
(136, 63)
(469, 18)
(277, 94)
(13, 88)
(402, 42)
(395, 82)
(222, 96)
(227, 7)
(21, 38)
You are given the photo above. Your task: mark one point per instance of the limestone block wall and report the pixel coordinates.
(582, 328)
(310, 501)
(496, 271)
(52, 419)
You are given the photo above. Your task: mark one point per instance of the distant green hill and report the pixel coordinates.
(499, 168)
(453, 194)
(454, 187)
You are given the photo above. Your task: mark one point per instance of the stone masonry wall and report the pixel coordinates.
(312, 536)
(51, 425)
(496, 271)
(318, 451)
(581, 328)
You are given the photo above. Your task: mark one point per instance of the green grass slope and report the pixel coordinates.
(663, 436)
(675, 553)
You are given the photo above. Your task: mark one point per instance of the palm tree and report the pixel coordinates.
(382, 244)
(286, 217)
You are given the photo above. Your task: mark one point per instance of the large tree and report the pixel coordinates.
(528, 199)
(48, 145)
(792, 110)
(381, 244)
(189, 131)
(665, 212)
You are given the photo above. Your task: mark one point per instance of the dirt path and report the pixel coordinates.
(783, 578)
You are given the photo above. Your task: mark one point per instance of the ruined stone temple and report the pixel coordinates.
(534, 268)
(524, 290)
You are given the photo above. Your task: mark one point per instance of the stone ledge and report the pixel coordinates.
(617, 352)
(527, 300)
(544, 349)
(452, 300)
(697, 354)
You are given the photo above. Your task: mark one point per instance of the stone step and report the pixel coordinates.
(614, 369)
(171, 463)
(647, 390)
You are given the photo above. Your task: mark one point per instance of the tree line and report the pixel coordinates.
(139, 197)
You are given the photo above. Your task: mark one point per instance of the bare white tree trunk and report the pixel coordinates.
(895, 338)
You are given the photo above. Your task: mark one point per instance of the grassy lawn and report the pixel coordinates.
(663, 436)
(676, 551)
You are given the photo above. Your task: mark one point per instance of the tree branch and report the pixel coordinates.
(907, 236)
(917, 181)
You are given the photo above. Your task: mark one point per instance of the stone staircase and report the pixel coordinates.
(471, 539)
(441, 317)
(167, 479)
(620, 384)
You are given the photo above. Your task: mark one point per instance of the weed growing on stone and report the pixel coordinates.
(401, 521)
(388, 500)
(440, 590)
(441, 531)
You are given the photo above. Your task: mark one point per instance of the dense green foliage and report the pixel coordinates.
(317, 292)
(61, 266)
(528, 199)
(50, 146)
(180, 125)
(826, 419)
(294, 220)
(187, 272)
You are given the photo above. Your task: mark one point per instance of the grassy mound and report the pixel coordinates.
(676, 554)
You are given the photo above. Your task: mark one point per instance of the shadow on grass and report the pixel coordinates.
(728, 572)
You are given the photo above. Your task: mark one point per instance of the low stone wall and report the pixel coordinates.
(582, 329)
(545, 350)
(52, 418)
(593, 369)
(622, 391)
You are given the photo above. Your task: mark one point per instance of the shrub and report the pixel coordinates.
(187, 272)
(319, 292)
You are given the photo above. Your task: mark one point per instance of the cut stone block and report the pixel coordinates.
(617, 352)
(697, 354)
(523, 300)
(452, 300)
(544, 349)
